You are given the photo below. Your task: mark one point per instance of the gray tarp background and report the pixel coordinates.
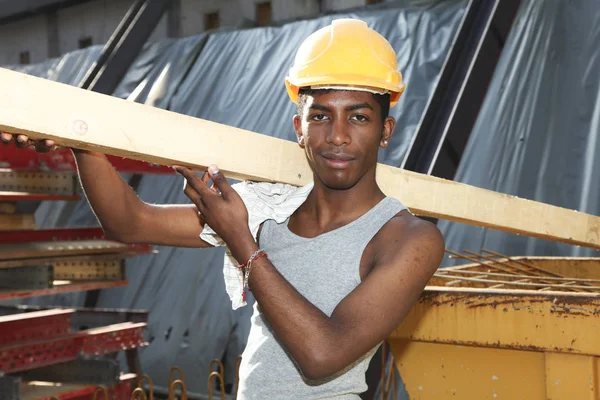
(538, 132)
(236, 78)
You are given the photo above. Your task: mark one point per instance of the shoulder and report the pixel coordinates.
(406, 235)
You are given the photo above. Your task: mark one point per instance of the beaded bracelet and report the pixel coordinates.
(247, 267)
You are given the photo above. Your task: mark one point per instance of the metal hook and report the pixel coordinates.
(210, 387)
(221, 367)
(180, 374)
(138, 394)
(172, 390)
(98, 390)
(150, 385)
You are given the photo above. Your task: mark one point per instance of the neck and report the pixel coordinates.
(328, 206)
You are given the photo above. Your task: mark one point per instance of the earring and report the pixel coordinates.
(385, 142)
(301, 140)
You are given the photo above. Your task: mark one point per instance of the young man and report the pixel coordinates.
(342, 272)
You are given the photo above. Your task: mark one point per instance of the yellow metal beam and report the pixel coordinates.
(571, 377)
(87, 120)
(525, 320)
(434, 371)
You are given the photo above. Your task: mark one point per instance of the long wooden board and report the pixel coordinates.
(87, 120)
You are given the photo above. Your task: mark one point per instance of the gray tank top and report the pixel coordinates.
(324, 269)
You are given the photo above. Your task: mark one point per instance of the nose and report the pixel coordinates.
(338, 133)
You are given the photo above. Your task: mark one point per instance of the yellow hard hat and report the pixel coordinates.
(346, 55)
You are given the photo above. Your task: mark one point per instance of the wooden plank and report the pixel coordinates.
(87, 120)
(16, 222)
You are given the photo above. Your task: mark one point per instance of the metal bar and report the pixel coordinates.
(515, 283)
(67, 259)
(98, 372)
(33, 325)
(113, 338)
(45, 235)
(124, 45)
(567, 320)
(90, 270)
(27, 278)
(8, 207)
(508, 259)
(85, 318)
(453, 108)
(41, 182)
(37, 391)
(535, 269)
(25, 196)
(22, 356)
(466, 257)
(63, 161)
(60, 287)
(16, 222)
(441, 272)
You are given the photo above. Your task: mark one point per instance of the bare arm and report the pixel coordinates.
(321, 345)
(407, 254)
(122, 215)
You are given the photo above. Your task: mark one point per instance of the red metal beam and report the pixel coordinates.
(21, 294)
(121, 391)
(49, 235)
(22, 196)
(26, 355)
(34, 325)
(62, 160)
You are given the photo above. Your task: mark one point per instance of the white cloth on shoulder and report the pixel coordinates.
(264, 200)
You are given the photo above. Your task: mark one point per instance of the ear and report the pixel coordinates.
(298, 129)
(388, 128)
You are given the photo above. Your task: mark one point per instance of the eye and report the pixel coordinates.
(318, 117)
(359, 118)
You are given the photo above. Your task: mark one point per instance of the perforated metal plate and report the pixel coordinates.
(50, 182)
(89, 270)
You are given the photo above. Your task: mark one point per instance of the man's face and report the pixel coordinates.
(341, 132)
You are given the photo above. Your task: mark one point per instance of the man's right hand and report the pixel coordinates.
(23, 142)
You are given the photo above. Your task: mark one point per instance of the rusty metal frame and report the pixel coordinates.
(61, 287)
(547, 321)
(120, 391)
(40, 352)
(34, 325)
(40, 182)
(27, 278)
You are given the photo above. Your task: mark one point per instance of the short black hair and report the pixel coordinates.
(382, 99)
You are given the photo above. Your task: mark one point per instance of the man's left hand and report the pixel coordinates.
(221, 208)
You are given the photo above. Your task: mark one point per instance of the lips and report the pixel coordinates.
(337, 160)
(330, 155)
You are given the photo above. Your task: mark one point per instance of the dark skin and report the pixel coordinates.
(340, 133)
(394, 268)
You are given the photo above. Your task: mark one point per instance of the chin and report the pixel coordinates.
(337, 182)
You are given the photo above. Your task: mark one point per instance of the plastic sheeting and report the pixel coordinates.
(70, 68)
(537, 136)
(236, 78)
